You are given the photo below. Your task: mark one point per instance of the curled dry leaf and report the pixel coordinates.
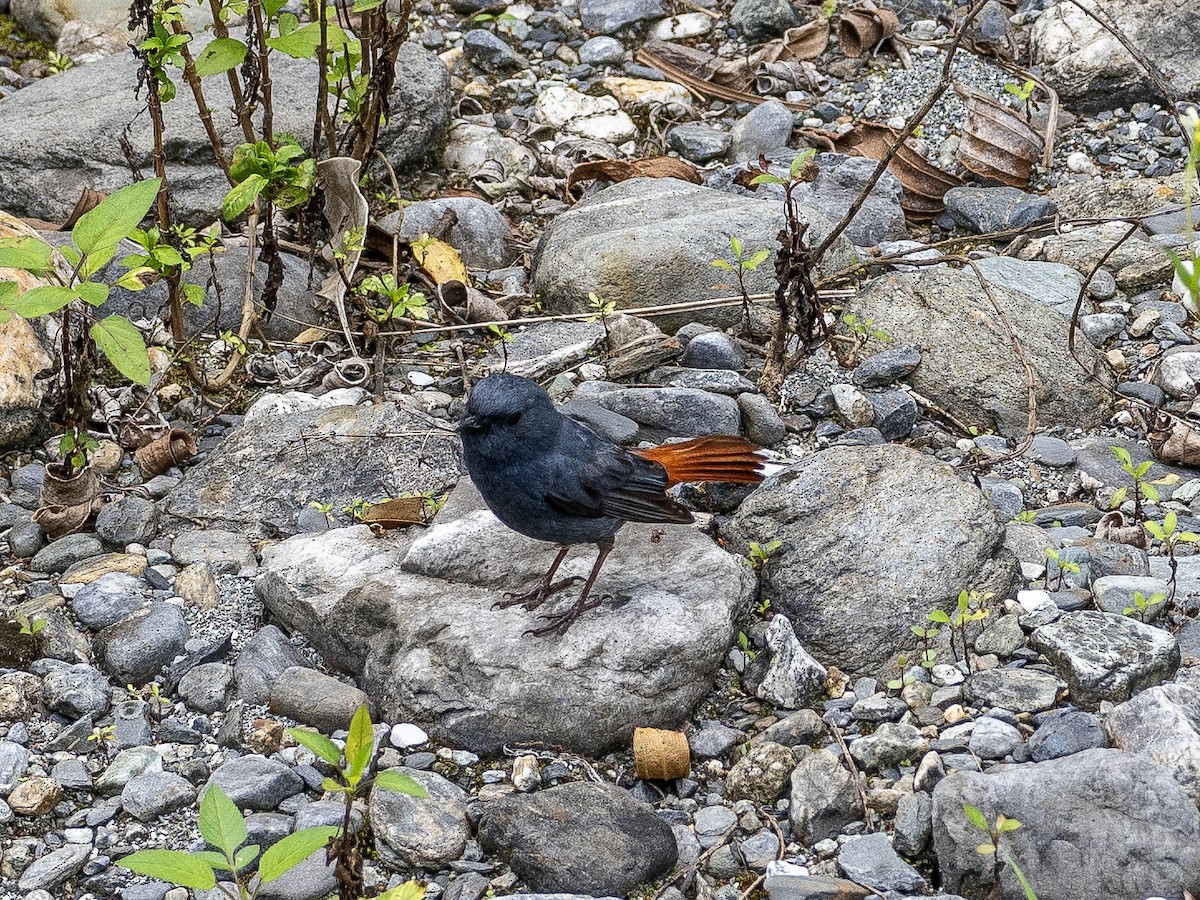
(347, 212)
(1175, 441)
(924, 183)
(997, 143)
(1113, 527)
(174, 447)
(439, 259)
(864, 27)
(620, 170)
(397, 513)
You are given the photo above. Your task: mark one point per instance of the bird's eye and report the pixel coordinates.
(512, 418)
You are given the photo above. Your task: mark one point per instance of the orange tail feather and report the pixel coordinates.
(717, 458)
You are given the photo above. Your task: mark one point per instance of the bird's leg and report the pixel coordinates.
(535, 598)
(562, 622)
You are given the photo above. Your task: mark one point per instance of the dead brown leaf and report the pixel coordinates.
(621, 170)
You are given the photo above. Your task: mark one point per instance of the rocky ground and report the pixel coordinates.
(210, 606)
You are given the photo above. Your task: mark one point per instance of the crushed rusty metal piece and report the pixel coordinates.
(924, 183)
(173, 448)
(997, 143)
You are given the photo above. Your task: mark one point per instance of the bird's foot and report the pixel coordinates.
(560, 623)
(531, 600)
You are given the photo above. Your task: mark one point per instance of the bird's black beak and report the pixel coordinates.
(467, 423)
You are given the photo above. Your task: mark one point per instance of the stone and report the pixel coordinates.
(1017, 690)
(856, 613)
(1115, 594)
(1103, 656)
(1162, 723)
(986, 210)
(224, 552)
(126, 765)
(314, 698)
(262, 466)
(55, 867)
(961, 363)
(886, 367)
(488, 51)
(135, 649)
(890, 744)
(870, 859)
(823, 797)
(197, 586)
(480, 233)
(262, 660)
(255, 782)
(14, 761)
(1003, 637)
(668, 411)
(1066, 731)
(109, 599)
(131, 724)
(762, 424)
(581, 837)
(61, 554)
(793, 678)
(994, 739)
(76, 691)
(34, 183)
(760, 775)
(895, 414)
(767, 127)
(416, 832)
(914, 824)
(1083, 802)
(602, 51)
(1092, 71)
(206, 687)
(606, 16)
(583, 690)
(131, 520)
(617, 238)
(802, 728)
(695, 141)
(713, 739)
(26, 348)
(596, 118)
(149, 795)
(25, 539)
(35, 797)
(761, 20)
(713, 350)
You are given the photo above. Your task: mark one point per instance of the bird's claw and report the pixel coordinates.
(531, 600)
(563, 621)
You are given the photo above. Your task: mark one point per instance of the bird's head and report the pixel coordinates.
(504, 410)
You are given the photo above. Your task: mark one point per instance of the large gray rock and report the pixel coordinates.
(1163, 723)
(1075, 840)
(649, 241)
(967, 363)
(433, 650)
(1090, 68)
(48, 157)
(420, 832)
(1104, 656)
(584, 838)
(872, 539)
(43, 20)
(25, 350)
(269, 469)
(823, 797)
(135, 649)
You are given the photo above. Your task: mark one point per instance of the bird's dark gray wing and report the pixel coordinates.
(596, 478)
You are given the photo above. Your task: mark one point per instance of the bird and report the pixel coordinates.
(552, 478)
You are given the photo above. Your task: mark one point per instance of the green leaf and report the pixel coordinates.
(40, 300)
(294, 849)
(270, 7)
(193, 294)
(322, 746)
(239, 198)
(94, 293)
(985, 849)
(245, 856)
(221, 55)
(939, 615)
(1122, 456)
(175, 866)
(115, 216)
(721, 264)
(392, 780)
(1119, 496)
(767, 178)
(213, 858)
(28, 253)
(1170, 521)
(132, 280)
(122, 343)
(302, 43)
(221, 822)
(1142, 469)
(976, 817)
(410, 890)
(757, 259)
(735, 244)
(364, 5)
(359, 744)
(328, 784)
(1005, 824)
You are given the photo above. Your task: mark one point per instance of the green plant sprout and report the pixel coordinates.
(357, 508)
(29, 626)
(744, 643)
(1026, 515)
(601, 310)
(740, 265)
(760, 555)
(263, 171)
(398, 301)
(1167, 533)
(971, 606)
(865, 328)
(224, 828)
(1143, 488)
(1064, 566)
(1142, 605)
(905, 679)
(927, 633)
(991, 847)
